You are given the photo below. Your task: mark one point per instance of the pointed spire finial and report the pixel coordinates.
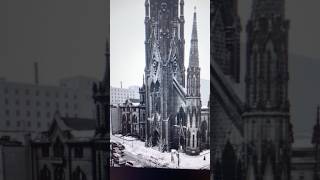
(195, 9)
(194, 54)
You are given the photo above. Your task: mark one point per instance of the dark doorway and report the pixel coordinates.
(155, 138)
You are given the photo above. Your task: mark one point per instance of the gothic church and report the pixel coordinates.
(172, 96)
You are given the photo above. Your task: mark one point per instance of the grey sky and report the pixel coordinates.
(128, 35)
(67, 37)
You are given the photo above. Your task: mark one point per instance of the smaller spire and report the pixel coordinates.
(194, 54)
(147, 6)
(181, 7)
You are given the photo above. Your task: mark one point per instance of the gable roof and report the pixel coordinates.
(79, 123)
(78, 129)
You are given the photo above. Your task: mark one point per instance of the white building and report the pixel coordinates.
(120, 95)
(29, 108)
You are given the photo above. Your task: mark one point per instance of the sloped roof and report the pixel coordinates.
(79, 123)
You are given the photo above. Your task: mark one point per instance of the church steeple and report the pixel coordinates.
(194, 53)
(193, 79)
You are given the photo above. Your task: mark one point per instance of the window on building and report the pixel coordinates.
(47, 94)
(78, 174)
(47, 104)
(28, 102)
(6, 101)
(45, 151)
(66, 105)
(38, 103)
(17, 113)
(16, 91)
(78, 152)
(27, 92)
(58, 148)
(18, 123)
(38, 114)
(28, 114)
(66, 95)
(7, 112)
(37, 93)
(48, 114)
(59, 173)
(29, 124)
(8, 123)
(57, 95)
(75, 97)
(17, 102)
(45, 173)
(6, 91)
(75, 106)
(38, 124)
(57, 105)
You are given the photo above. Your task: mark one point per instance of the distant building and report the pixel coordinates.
(115, 116)
(29, 108)
(133, 118)
(120, 95)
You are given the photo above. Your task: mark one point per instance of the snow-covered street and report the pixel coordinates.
(152, 157)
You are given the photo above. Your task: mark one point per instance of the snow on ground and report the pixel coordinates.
(162, 159)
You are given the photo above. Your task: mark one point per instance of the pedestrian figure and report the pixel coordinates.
(204, 158)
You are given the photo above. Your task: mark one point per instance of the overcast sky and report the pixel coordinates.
(67, 38)
(127, 32)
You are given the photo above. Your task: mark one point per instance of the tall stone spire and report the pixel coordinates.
(194, 53)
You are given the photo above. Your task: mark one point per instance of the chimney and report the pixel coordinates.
(121, 84)
(36, 73)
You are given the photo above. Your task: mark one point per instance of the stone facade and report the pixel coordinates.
(251, 138)
(133, 118)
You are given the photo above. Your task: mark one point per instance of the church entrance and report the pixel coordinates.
(155, 138)
(182, 143)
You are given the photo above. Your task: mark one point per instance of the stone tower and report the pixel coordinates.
(267, 128)
(193, 94)
(226, 44)
(101, 96)
(164, 71)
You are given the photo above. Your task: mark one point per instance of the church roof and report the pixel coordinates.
(79, 123)
(229, 100)
(78, 129)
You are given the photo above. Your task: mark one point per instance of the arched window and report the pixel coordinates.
(58, 149)
(78, 174)
(45, 173)
(59, 173)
